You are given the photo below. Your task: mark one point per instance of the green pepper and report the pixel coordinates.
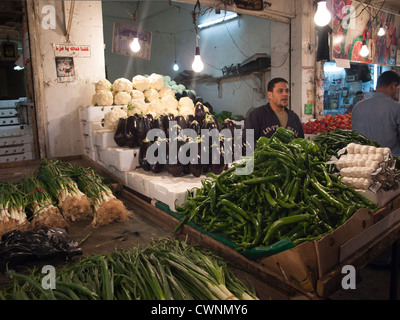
(322, 192)
(235, 208)
(283, 134)
(282, 222)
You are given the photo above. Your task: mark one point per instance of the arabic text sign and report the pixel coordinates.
(67, 50)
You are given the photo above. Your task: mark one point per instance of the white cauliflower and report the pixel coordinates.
(166, 91)
(185, 102)
(103, 84)
(111, 118)
(185, 111)
(122, 98)
(103, 98)
(157, 106)
(156, 81)
(122, 84)
(138, 106)
(140, 83)
(170, 103)
(136, 94)
(151, 94)
(175, 112)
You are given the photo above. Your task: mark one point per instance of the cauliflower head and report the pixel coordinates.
(138, 106)
(103, 98)
(186, 112)
(170, 103)
(166, 91)
(122, 98)
(156, 106)
(151, 94)
(140, 83)
(122, 84)
(156, 81)
(103, 84)
(185, 102)
(111, 118)
(136, 94)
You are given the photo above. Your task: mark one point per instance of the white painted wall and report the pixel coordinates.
(63, 100)
(220, 45)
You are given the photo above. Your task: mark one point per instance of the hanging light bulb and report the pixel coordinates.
(322, 16)
(364, 50)
(135, 45)
(176, 66)
(381, 32)
(197, 64)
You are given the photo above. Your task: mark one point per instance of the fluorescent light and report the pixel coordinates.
(18, 68)
(219, 20)
(331, 67)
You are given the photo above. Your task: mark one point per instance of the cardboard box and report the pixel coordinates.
(306, 263)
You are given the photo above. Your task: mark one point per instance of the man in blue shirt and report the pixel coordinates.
(378, 117)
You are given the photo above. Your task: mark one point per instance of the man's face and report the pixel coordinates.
(360, 96)
(279, 97)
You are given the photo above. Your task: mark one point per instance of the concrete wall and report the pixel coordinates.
(58, 103)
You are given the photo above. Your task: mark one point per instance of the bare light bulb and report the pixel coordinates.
(197, 64)
(135, 45)
(176, 66)
(322, 16)
(364, 50)
(381, 32)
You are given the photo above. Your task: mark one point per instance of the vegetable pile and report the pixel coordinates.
(164, 270)
(132, 132)
(328, 123)
(289, 194)
(56, 194)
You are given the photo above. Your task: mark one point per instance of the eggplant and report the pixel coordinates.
(174, 167)
(217, 161)
(199, 112)
(158, 124)
(166, 120)
(178, 95)
(151, 120)
(196, 127)
(196, 169)
(191, 95)
(132, 132)
(209, 106)
(120, 133)
(143, 126)
(157, 167)
(189, 120)
(181, 121)
(228, 124)
(142, 155)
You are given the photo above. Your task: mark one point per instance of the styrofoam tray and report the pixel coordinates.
(94, 113)
(104, 139)
(89, 128)
(123, 159)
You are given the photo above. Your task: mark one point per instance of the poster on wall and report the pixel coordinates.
(123, 36)
(354, 23)
(65, 69)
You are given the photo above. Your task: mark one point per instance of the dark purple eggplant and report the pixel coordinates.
(228, 124)
(166, 120)
(181, 122)
(209, 106)
(144, 125)
(132, 132)
(196, 127)
(191, 95)
(151, 120)
(196, 169)
(178, 95)
(174, 167)
(199, 112)
(217, 159)
(189, 119)
(120, 133)
(142, 155)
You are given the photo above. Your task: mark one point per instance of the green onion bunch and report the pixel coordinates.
(166, 269)
(12, 208)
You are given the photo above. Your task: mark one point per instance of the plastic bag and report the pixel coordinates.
(19, 247)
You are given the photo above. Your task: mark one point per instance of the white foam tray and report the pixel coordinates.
(94, 113)
(104, 139)
(381, 198)
(122, 159)
(163, 186)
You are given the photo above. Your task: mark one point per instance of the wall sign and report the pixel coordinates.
(68, 50)
(65, 69)
(122, 38)
(9, 50)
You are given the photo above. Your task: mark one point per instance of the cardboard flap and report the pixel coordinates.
(328, 247)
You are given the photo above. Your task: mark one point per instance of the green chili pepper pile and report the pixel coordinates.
(289, 194)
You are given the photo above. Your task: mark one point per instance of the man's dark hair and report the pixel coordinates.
(387, 78)
(359, 92)
(273, 82)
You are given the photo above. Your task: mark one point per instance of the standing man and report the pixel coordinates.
(265, 120)
(378, 117)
